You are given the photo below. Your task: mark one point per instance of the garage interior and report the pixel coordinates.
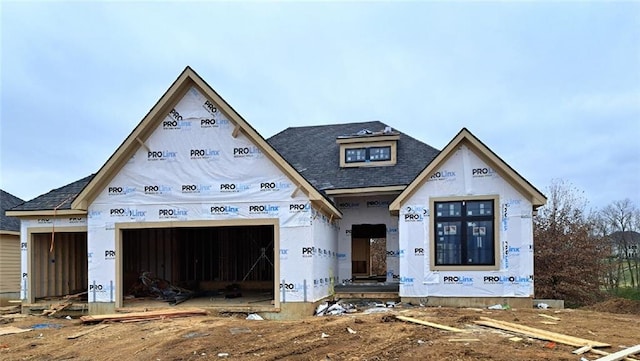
(59, 264)
(216, 265)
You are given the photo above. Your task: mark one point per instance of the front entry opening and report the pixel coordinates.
(214, 264)
(369, 252)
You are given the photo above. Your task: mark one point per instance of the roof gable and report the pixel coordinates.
(314, 152)
(8, 201)
(188, 79)
(465, 137)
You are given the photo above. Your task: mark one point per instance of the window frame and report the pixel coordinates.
(367, 146)
(496, 234)
(367, 154)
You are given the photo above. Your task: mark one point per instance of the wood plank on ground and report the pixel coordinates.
(55, 308)
(581, 350)
(82, 333)
(549, 317)
(621, 354)
(604, 353)
(430, 324)
(12, 329)
(144, 315)
(539, 333)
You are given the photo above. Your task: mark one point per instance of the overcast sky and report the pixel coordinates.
(552, 88)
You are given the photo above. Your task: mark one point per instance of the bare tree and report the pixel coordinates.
(621, 221)
(568, 253)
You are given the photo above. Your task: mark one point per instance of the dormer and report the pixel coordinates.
(369, 149)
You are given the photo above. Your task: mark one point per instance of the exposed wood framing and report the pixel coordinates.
(236, 131)
(143, 144)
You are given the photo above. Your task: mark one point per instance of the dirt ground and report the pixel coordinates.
(378, 336)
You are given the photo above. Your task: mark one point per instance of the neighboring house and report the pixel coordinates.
(625, 244)
(196, 196)
(9, 250)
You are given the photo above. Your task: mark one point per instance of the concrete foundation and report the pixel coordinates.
(558, 304)
(480, 302)
(101, 308)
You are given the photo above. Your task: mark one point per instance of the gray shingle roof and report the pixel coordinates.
(314, 153)
(60, 197)
(8, 201)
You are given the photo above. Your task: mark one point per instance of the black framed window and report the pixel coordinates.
(370, 154)
(465, 233)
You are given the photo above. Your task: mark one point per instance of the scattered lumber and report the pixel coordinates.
(10, 309)
(82, 333)
(581, 350)
(12, 329)
(65, 303)
(621, 354)
(539, 334)
(75, 296)
(549, 317)
(604, 353)
(430, 324)
(55, 308)
(143, 315)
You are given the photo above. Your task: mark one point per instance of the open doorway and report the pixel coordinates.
(369, 252)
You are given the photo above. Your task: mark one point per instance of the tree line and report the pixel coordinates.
(583, 255)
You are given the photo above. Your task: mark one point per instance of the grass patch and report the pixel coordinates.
(626, 292)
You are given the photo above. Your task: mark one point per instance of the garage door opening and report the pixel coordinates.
(58, 264)
(204, 266)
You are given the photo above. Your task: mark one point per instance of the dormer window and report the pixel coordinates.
(370, 154)
(368, 149)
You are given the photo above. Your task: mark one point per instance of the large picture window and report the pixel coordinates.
(464, 232)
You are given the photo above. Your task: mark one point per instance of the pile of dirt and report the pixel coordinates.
(617, 305)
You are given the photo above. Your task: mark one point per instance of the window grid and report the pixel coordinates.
(464, 233)
(369, 154)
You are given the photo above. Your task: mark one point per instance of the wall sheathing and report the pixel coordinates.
(367, 210)
(191, 168)
(325, 255)
(466, 174)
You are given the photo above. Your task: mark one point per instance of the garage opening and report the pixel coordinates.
(58, 264)
(369, 252)
(203, 265)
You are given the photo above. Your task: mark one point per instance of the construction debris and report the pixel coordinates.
(539, 334)
(139, 316)
(65, 303)
(163, 290)
(430, 324)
